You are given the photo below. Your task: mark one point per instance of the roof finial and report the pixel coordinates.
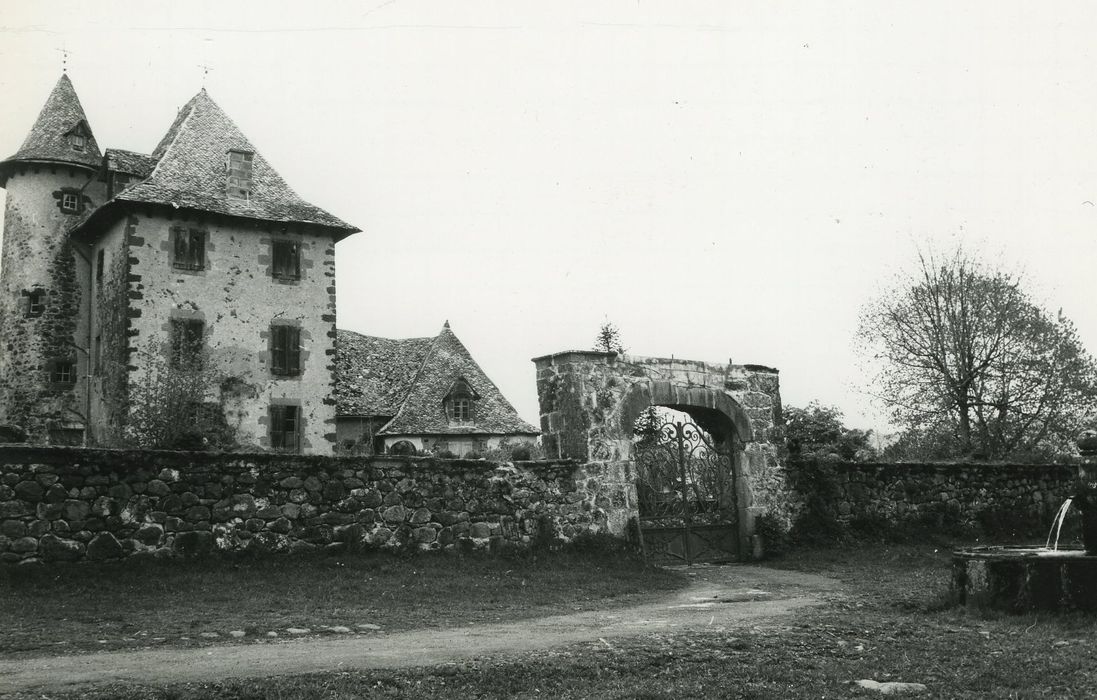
(446, 324)
(64, 58)
(205, 72)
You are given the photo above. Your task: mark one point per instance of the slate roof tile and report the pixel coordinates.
(409, 380)
(130, 162)
(48, 138)
(191, 172)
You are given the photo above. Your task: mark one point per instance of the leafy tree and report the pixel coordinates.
(609, 339)
(169, 406)
(818, 432)
(969, 365)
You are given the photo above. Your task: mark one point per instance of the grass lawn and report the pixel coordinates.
(892, 625)
(64, 609)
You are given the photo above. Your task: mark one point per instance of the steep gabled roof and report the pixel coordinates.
(422, 412)
(130, 162)
(191, 172)
(373, 375)
(48, 138)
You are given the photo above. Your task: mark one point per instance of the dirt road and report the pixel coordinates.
(725, 596)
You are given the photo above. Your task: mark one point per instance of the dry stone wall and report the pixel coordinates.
(980, 495)
(69, 504)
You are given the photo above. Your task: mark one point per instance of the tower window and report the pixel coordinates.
(239, 170)
(186, 342)
(190, 249)
(35, 303)
(78, 142)
(285, 426)
(286, 260)
(62, 372)
(70, 202)
(285, 350)
(99, 258)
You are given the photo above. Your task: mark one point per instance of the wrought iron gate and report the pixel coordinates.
(686, 489)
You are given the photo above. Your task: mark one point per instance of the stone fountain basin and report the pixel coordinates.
(1019, 579)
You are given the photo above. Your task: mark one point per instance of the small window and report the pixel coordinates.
(186, 342)
(285, 428)
(462, 410)
(70, 202)
(459, 403)
(286, 260)
(35, 303)
(62, 372)
(78, 142)
(98, 357)
(190, 249)
(239, 170)
(99, 258)
(285, 350)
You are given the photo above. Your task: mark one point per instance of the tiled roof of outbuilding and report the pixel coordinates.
(48, 138)
(373, 375)
(191, 172)
(121, 161)
(410, 379)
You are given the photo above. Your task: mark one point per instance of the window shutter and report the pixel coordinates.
(293, 350)
(277, 350)
(277, 421)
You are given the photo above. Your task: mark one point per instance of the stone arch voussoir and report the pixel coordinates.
(665, 393)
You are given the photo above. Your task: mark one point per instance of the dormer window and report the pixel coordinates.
(460, 403)
(78, 142)
(239, 170)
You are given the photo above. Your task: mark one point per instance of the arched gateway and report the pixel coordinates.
(696, 482)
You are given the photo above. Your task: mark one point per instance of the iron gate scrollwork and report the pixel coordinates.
(686, 490)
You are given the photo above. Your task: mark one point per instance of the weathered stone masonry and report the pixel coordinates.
(68, 504)
(959, 494)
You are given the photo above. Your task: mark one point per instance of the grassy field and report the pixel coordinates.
(65, 609)
(893, 624)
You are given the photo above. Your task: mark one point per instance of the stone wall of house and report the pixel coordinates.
(238, 300)
(979, 495)
(69, 504)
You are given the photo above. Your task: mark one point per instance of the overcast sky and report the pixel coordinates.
(721, 180)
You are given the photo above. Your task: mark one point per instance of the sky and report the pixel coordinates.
(721, 180)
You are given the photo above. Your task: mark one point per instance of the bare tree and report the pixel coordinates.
(966, 358)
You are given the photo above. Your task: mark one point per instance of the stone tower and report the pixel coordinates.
(44, 346)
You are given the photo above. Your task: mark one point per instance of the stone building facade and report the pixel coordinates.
(200, 247)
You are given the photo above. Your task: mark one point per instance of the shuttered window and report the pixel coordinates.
(190, 249)
(285, 350)
(286, 263)
(285, 427)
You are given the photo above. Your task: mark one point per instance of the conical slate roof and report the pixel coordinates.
(374, 375)
(191, 172)
(48, 140)
(423, 411)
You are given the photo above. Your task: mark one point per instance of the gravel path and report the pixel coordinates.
(720, 596)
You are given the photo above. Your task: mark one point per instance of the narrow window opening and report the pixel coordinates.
(285, 350)
(186, 342)
(35, 303)
(285, 428)
(99, 259)
(286, 263)
(78, 142)
(190, 249)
